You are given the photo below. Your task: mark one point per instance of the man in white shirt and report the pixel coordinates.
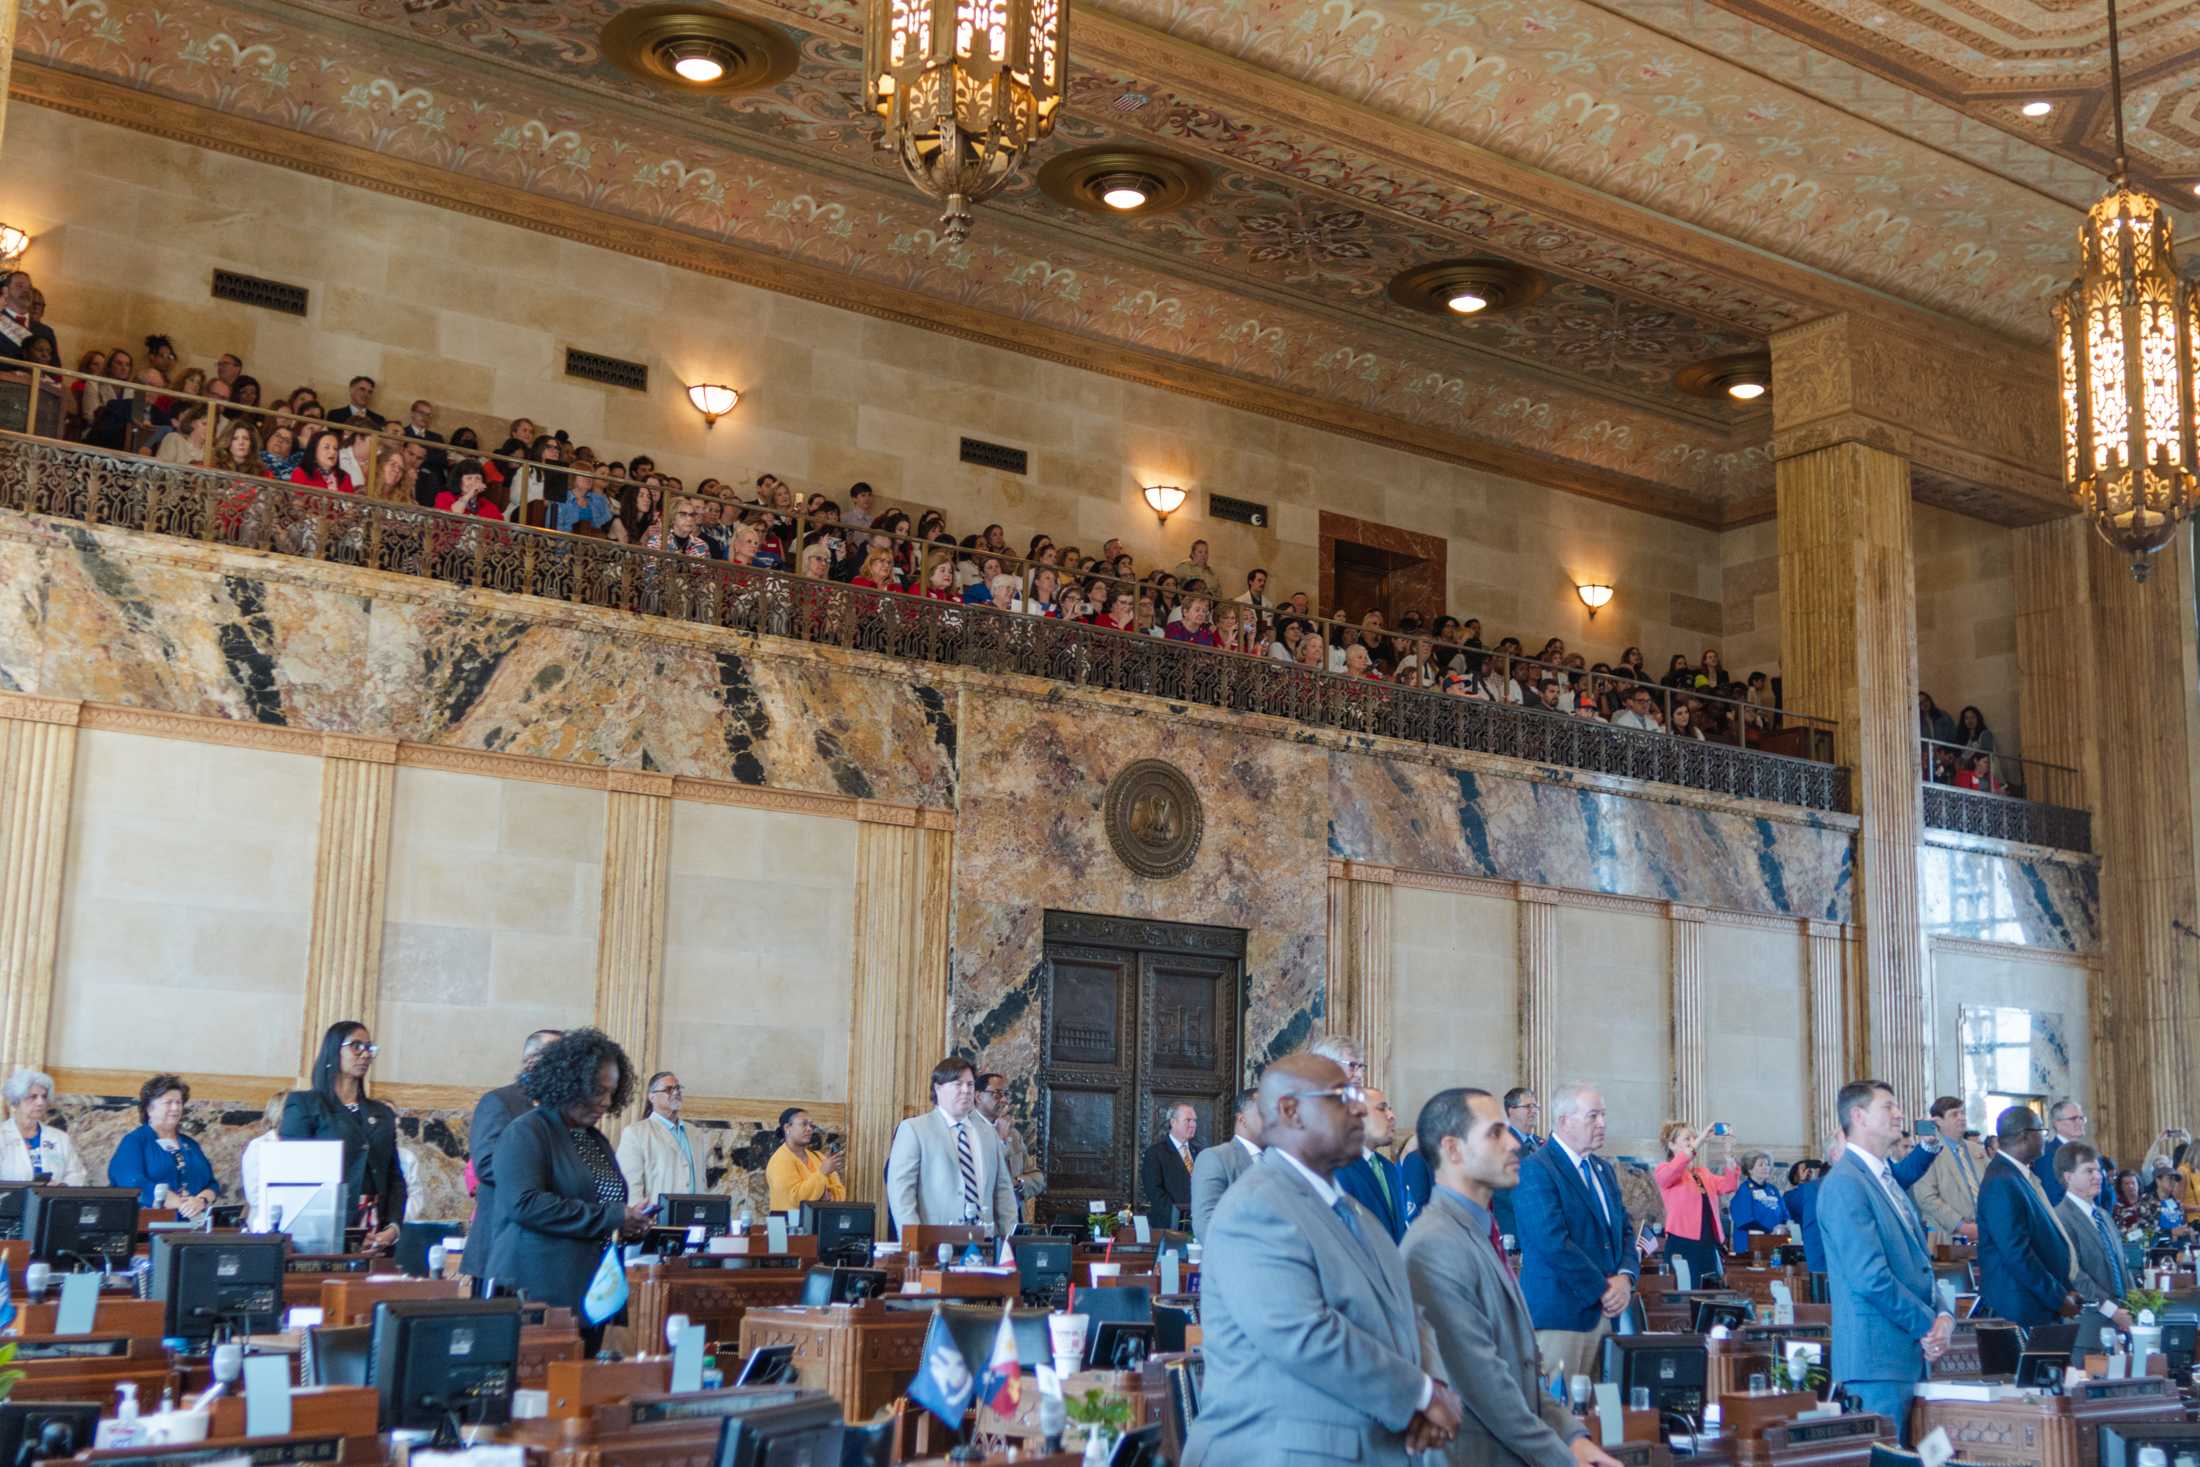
(1636, 712)
(1255, 593)
(947, 1167)
(1214, 1169)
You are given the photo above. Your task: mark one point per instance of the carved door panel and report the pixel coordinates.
(1136, 1016)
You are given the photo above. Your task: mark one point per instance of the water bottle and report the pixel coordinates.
(743, 1227)
(437, 1257)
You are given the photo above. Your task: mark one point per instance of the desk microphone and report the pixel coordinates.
(1053, 1419)
(37, 1278)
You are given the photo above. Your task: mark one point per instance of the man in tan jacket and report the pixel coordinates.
(1947, 1194)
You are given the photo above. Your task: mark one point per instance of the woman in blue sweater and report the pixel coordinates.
(157, 1154)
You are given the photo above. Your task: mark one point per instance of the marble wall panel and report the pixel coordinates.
(1615, 987)
(1457, 821)
(2016, 895)
(2045, 984)
(1456, 995)
(1757, 1036)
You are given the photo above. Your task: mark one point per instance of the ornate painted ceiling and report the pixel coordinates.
(1692, 179)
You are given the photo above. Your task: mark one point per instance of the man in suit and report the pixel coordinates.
(2068, 1119)
(1578, 1261)
(492, 1113)
(1887, 1321)
(358, 411)
(947, 1167)
(1463, 1283)
(1523, 1113)
(2023, 1257)
(2096, 1249)
(1313, 1349)
(1947, 1195)
(1371, 1179)
(1025, 1178)
(1218, 1167)
(1165, 1171)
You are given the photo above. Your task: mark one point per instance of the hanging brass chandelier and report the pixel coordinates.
(2124, 336)
(965, 89)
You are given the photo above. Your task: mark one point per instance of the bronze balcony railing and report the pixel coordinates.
(95, 487)
(2004, 797)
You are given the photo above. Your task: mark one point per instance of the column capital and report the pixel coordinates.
(30, 708)
(639, 782)
(1363, 871)
(359, 747)
(1676, 912)
(1544, 896)
(884, 812)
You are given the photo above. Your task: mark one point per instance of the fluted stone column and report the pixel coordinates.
(37, 764)
(1539, 1016)
(1361, 982)
(630, 941)
(1691, 1046)
(904, 869)
(7, 55)
(350, 885)
(1826, 988)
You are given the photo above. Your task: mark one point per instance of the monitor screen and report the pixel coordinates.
(2122, 1443)
(1042, 1263)
(803, 1433)
(436, 1361)
(52, 1431)
(77, 1226)
(213, 1284)
(1672, 1367)
(415, 1239)
(713, 1211)
(844, 1230)
(11, 1208)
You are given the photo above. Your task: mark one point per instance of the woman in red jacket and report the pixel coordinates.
(1695, 1210)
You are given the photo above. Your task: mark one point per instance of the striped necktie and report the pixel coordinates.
(2112, 1248)
(969, 1166)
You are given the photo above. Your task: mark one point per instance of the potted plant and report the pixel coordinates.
(9, 1376)
(2141, 1302)
(1104, 1416)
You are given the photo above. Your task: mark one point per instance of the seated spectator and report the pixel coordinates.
(877, 573)
(238, 452)
(228, 367)
(1359, 664)
(320, 465)
(1637, 713)
(166, 1166)
(1289, 634)
(1313, 652)
(280, 455)
(1498, 684)
(1121, 613)
(1192, 627)
(1549, 696)
(640, 511)
(160, 353)
(1975, 771)
(1684, 719)
(1043, 598)
(185, 442)
(245, 392)
(586, 508)
(816, 563)
(979, 592)
(111, 426)
(393, 480)
(358, 411)
(191, 382)
(682, 540)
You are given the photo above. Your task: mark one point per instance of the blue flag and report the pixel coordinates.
(7, 1302)
(944, 1385)
(606, 1294)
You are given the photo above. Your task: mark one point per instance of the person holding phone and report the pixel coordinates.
(797, 1172)
(1695, 1222)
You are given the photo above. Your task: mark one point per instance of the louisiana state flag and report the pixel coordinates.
(943, 1385)
(998, 1387)
(7, 1301)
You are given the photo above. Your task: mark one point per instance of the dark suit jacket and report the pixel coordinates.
(1502, 1203)
(1356, 1179)
(2023, 1262)
(492, 1113)
(2043, 1167)
(370, 1150)
(1164, 1185)
(1568, 1248)
(551, 1230)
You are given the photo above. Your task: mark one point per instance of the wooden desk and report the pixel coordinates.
(346, 1411)
(862, 1354)
(91, 1377)
(2046, 1431)
(955, 1284)
(15, 1256)
(117, 1314)
(578, 1387)
(1834, 1441)
(350, 1298)
(303, 1274)
(714, 1293)
(924, 1240)
(645, 1430)
(368, 1451)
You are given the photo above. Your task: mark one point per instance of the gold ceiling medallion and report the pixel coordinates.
(2124, 337)
(1466, 290)
(698, 50)
(965, 89)
(1121, 181)
(1746, 378)
(1153, 818)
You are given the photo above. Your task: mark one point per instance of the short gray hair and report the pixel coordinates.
(2062, 1103)
(1566, 1098)
(23, 1082)
(1342, 1048)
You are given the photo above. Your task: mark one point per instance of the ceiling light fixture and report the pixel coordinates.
(680, 46)
(1118, 180)
(713, 400)
(1745, 390)
(1596, 596)
(1164, 500)
(1124, 193)
(2037, 109)
(1746, 378)
(1456, 289)
(13, 242)
(1466, 303)
(2125, 371)
(697, 61)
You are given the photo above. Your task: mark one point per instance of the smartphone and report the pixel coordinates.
(1721, 1128)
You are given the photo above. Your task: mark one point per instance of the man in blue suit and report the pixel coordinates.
(1887, 1322)
(1373, 1180)
(2023, 1257)
(2068, 1119)
(1578, 1260)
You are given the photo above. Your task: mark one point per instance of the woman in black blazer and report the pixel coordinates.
(338, 1108)
(560, 1194)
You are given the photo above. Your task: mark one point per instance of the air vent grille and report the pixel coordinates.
(251, 290)
(610, 371)
(1244, 511)
(995, 456)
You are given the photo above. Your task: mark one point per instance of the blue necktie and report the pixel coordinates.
(2112, 1248)
(1343, 1208)
(1589, 1179)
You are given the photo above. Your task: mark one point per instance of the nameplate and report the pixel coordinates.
(703, 1407)
(1631, 1454)
(264, 1454)
(740, 1262)
(326, 1265)
(71, 1349)
(2109, 1390)
(1830, 1429)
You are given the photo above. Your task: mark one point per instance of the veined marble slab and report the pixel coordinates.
(2019, 896)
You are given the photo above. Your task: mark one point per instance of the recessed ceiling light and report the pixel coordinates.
(1745, 391)
(1466, 303)
(1118, 181)
(1466, 289)
(1124, 196)
(699, 67)
(679, 46)
(2037, 109)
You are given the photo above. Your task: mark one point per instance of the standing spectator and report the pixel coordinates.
(800, 1170)
(1695, 1229)
(18, 326)
(1195, 567)
(1933, 722)
(861, 499)
(358, 411)
(1758, 1206)
(1947, 1195)
(31, 1150)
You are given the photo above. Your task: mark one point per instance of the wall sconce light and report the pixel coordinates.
(1595, 596)
(13, 242)
(1164, 500)
(712, 401)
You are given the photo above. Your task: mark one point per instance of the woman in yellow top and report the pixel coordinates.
(796, 1173)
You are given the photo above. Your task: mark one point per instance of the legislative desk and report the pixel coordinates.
(304, 1273)
(349, 1298)
(863, 1355)
(715, 1292)
(88, 1367)
(2046, 1431)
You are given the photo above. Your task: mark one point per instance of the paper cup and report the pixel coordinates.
(1066, 1333)
(1106, 1271)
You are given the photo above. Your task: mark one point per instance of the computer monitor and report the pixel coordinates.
(439, 1363)
(768, 1365)
(2180, 1343)
(2042, 1370)
(842, 1285)
(2000, 1344)
(1171, 1325)
(338, 1355)
(801, 1434)
(869, 1445)
(2179, 1441)
(46, 1431)
(81, 1226)
(214, 1284)
(2052, 1338)
(712, 1210)
(1132, 1303)
(1710, 1313)
(12, 1195)
(415, 1239)
(1042, 1265)
(1139, 1447)
(1673, 1368)
(844, 1230)
(1118, 1344)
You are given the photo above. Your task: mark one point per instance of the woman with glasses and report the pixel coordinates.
(660, 1153)
(338, 1108)
(166, 1166)
(802, 1170)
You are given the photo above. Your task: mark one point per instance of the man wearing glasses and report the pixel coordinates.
(1314, 1350)
(2023, 1256)
(492, 1113)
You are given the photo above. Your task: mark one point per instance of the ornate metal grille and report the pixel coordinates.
(1970, 812)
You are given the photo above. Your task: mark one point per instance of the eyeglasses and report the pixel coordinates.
(669, 1090)
(1348, 1094)
(360, 1046)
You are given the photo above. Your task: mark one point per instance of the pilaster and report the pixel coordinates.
(1825, 986)
(630, 941)
(904, 870)
(350, 885)
(37, 765)
(1539, 1015)
(1691, 1046)
(1361, 980)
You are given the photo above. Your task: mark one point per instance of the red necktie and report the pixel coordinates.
(1497, 1241)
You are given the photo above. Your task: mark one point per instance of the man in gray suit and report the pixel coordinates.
(1314, 1350)
(2096, 1248)
(1464, 1284)
(1218, 1166)
(947, 1167)
(492, 1113)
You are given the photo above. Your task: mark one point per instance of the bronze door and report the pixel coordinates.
(1136, 1016)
